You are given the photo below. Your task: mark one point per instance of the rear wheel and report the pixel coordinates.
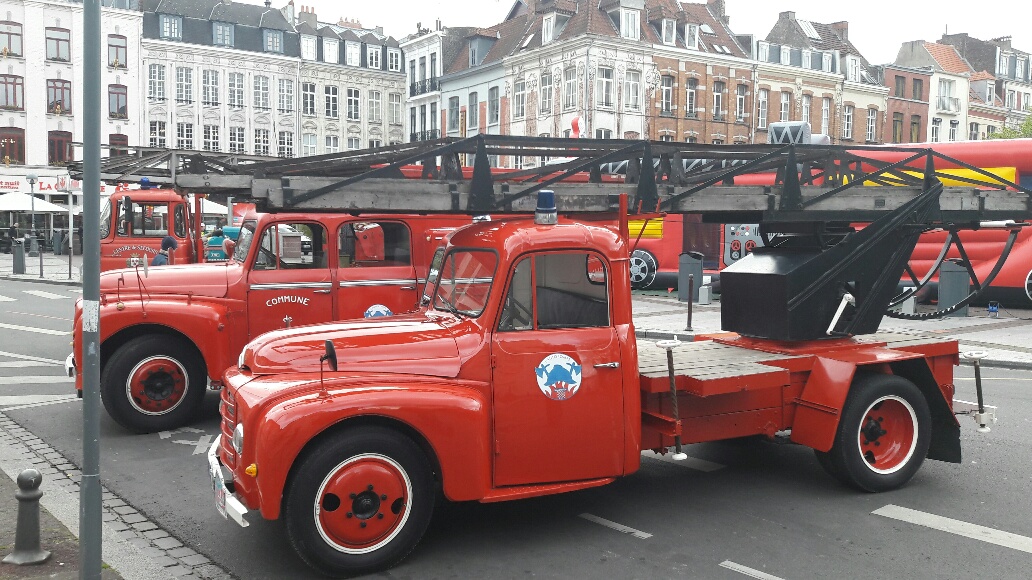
(883, 436)
(153, 383)
(644, 268)
(359, 502)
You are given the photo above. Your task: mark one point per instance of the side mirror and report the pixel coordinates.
(330, 356)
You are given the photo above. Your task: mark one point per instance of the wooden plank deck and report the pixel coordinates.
(709, 368)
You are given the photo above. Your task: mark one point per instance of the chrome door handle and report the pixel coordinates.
(408, 287)
(608, 365)
(322, 291)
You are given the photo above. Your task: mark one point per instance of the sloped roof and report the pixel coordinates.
(982, 76)
(508, 37)
(328, 32)
(948, 59)
(830, 39)
(701, 14)
(236, 12)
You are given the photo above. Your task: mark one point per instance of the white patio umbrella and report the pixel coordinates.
(16, 201)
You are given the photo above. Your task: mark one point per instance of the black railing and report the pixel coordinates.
(430, 135)
(424, 86)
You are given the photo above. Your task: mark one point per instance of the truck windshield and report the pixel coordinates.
(464, 282)
(243, 241)
(105, 218)
(432, 276)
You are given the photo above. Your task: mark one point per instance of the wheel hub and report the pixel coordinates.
(157, 385)
(362, 504)
(888, 434)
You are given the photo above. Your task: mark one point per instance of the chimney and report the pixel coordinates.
(786, 15)
(716, 7)
(841, 28)
(307, 15)
(379, 30)
(268, 3)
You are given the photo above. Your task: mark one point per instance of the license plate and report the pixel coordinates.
(218, 486)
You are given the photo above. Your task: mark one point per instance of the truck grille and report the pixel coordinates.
(227, 408)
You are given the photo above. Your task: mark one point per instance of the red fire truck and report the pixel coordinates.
(165, 331)
(520, 376)
(133, 223)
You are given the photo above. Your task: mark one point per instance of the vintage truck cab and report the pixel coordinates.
(165, 331)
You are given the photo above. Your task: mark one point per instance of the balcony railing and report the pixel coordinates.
(430, 135)
(948, 104)
(424, 86)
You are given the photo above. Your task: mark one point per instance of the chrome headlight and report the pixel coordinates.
(238, 438)
(240, 359)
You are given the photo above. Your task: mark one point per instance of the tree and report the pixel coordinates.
(1022, 131)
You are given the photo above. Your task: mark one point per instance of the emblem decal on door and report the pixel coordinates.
(558, 376)
(377, 310)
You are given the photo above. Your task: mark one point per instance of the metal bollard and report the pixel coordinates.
(691, 291)
(26, 537)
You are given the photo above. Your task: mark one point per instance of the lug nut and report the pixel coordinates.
(383, 497)
(361, 525)
(370, 487)
(379, 516)
(352, 496)
(349, 514)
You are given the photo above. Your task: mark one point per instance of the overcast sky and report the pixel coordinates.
(876, 27)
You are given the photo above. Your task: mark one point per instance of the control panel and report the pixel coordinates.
(739, 241)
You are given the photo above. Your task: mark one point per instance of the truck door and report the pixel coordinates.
(289, 281)
(374, 269)
(558, 387)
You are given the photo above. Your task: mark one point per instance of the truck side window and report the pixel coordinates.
(150, 220)
(366, 244)
(570, 291)
(292, 247)
(179, 222)
(516, 312)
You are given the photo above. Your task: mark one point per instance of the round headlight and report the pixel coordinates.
(240, 359)
(238, 438)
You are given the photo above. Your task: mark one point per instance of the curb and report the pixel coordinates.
(52, 282)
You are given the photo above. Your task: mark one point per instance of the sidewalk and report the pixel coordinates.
(1007, 340)
(55, 269)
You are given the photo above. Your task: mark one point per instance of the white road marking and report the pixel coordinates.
(33, 401)
(168, 434)
(29, 357)
(45, 294)
(615, 526)
(23, 364)
(747, 571)
(36, 330)
(200, 446)
(690, 463)
(7, 299)
(35, 380)
(1008, 379)
(968, 530)
(41, 316)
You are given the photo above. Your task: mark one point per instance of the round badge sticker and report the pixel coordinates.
(558, 376)
(377, 310)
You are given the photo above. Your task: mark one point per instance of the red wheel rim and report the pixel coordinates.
(157, 385)
(363, 503)
(888, 434)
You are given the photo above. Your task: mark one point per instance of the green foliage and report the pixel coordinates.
(1022, 131)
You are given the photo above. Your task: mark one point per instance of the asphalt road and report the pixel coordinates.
(759, 506)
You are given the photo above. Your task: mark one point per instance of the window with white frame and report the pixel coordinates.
(157, 134)
(666, 94)
(273, 40)
(309, 50)
(493, 106)
(826, 116)
(373, 56)
(807, 102)
(669, 31)
(546, 92)
(333, 143)
(570, 88)
(308, 141)
(604, 86)
(331, 50)
(603, 133)
(261, 142)
(630, 26)
(936, 127)
(211, 138)
(375, 106)
(1003, 67)
(156, 82)
(847, 122)
(286, 96)
(632, 90)
(473, 111)
(286, 144)
(184, 84)
(547, 28)
(762, 51)
(826, 62)
(954, 124)
(353, 105)
(171, 27)
(222, 33)
(854, 68)
(393, 60)
(786, 55)
(762, 96)
(691, 99)
(786, 106)
(235, 97)
(374, 143)
(719, 88)
(354, 143)
(261, 92)
(394, 101)
(453, 114)
(331, 94)
(807, 59)
(210, 87)
(351, 53)
(741, 96)
(872, 124)
(519, 99)
(972, 131)
(184, 136)
(433, 117)
(307, 98)
(236, 140)
(691, 35)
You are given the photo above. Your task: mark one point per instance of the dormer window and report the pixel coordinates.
(373, 56)
(854, 68)
(826, 62)
(331, 50)
(548, 29)
(351, 53)
(473, 54)
(669, 31)
(308, 47)
(786, 55)
(222, 33)
(630, 26)
(691, 35)
(806, 59)
(273, 40)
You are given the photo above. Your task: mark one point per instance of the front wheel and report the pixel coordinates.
(359, 502)
(153, 383)
(883, 436)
